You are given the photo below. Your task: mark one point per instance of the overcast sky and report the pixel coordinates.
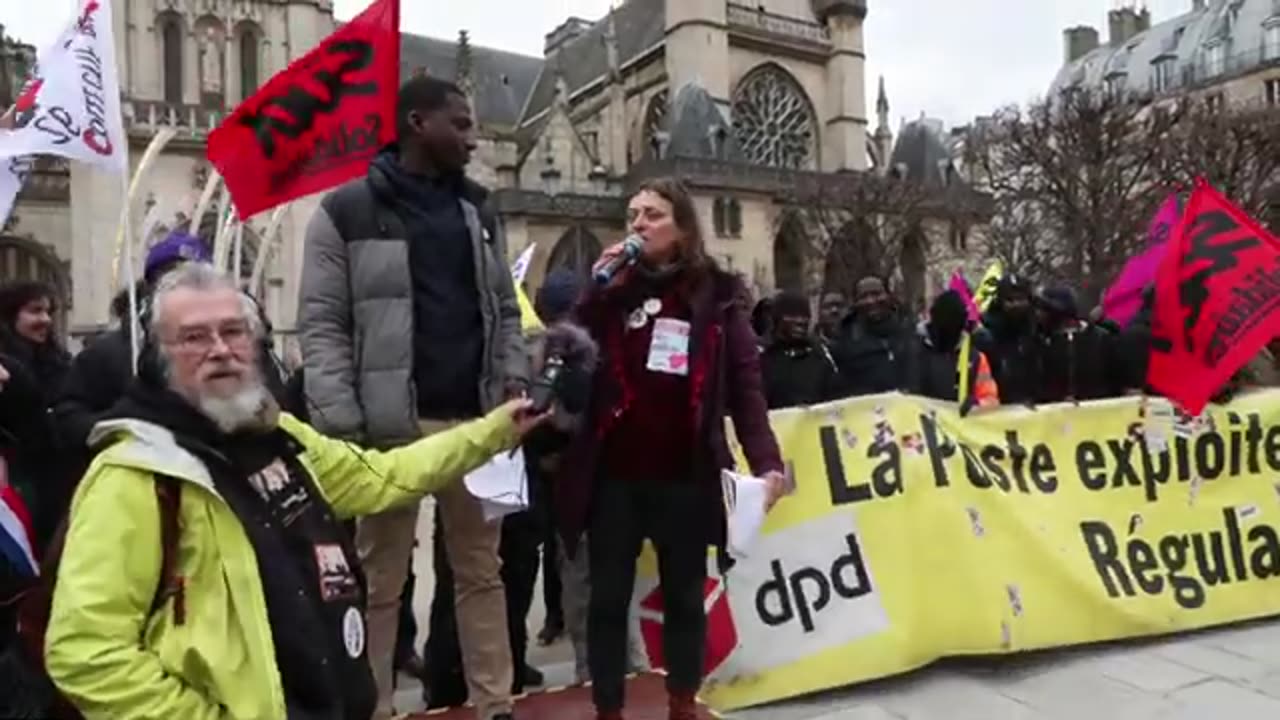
(947, 59)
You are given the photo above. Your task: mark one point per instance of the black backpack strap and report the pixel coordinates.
(172, 584)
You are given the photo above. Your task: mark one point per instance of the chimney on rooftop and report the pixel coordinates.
(1127, 22)
(1078, 41)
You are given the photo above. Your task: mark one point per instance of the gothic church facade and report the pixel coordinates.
(760, 107)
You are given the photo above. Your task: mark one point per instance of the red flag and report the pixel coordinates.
(319, 122)
(1217, 297)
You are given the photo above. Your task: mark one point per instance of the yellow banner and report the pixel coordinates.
(916, 535)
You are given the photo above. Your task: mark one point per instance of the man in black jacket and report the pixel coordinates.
(872, 341)
(1009, 339)
(796, 367)
(1077, 355)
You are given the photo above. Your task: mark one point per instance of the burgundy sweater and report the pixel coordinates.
(653, 439)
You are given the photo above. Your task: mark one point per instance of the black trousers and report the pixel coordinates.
(622, 515)
(551, 587)
(446, 685)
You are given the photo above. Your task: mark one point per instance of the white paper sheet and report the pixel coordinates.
(501, 484)
(744, 504)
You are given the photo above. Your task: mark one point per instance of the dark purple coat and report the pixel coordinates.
(724, 377)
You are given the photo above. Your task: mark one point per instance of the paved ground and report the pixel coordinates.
(1213, 675)
(1227, 674)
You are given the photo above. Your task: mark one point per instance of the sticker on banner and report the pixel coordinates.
(1015, 599)
(975, 521)
(353, 633)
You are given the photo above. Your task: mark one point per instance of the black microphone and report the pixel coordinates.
(630, 252)
(569, 359)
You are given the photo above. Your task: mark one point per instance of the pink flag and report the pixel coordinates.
(961, 287)
(1124, 298)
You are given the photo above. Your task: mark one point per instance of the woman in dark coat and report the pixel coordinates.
(678, 356)
(36, 361)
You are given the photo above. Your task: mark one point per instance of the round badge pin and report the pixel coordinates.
(638, 319)
(652, 306)
(353, 633)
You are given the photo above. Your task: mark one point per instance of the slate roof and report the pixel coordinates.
(502, 80)
(639, 25)
(921, 151)
(1185, 39)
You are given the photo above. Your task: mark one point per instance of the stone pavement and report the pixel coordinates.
(1215, 674)
(1231, 673)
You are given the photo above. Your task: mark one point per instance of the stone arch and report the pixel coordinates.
(249, 39)
(23, 259)
(790, 248)
(852, 255)
(170, 31)
(774, 121)
(653, 124)
(577, 250)
(915, 253)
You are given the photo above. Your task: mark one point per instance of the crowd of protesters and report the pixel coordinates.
(1030, 347)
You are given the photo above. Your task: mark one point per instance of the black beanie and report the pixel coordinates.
(558, 294)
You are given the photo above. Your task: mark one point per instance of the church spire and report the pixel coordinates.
(463, 65)
(882, 106)
(611, 46)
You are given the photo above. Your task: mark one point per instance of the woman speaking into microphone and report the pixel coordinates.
(677, 356)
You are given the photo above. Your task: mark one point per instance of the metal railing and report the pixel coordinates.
(1205, 71)
(154, 114)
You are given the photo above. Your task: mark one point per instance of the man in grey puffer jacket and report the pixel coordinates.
(409, 325)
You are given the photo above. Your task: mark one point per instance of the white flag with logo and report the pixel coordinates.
(72, 106)
(521, 266)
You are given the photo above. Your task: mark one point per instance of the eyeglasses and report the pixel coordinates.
(202, 340)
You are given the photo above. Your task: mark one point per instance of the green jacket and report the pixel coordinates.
(113, 661)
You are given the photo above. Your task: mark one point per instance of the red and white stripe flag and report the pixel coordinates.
(16, 538)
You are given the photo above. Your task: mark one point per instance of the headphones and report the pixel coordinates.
(151, 367)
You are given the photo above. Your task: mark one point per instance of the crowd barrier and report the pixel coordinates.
(915, 534)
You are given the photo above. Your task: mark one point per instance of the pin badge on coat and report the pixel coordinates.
(337, 580)
(640, 316)
(353, 633)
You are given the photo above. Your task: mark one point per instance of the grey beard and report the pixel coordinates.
(252, 408)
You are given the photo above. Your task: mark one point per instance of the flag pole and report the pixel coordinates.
(237, 252)
(206, 199)
(265, 247)
(130, 278)
(158, 143)
(222, 245)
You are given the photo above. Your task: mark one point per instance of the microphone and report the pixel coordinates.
(630, 251)
(569, 359)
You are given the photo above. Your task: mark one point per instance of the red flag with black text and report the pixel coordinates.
(317, 123)
(1217, 299)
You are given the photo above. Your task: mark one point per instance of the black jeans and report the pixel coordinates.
(551, 587)
(407, 630)
(622, 516)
